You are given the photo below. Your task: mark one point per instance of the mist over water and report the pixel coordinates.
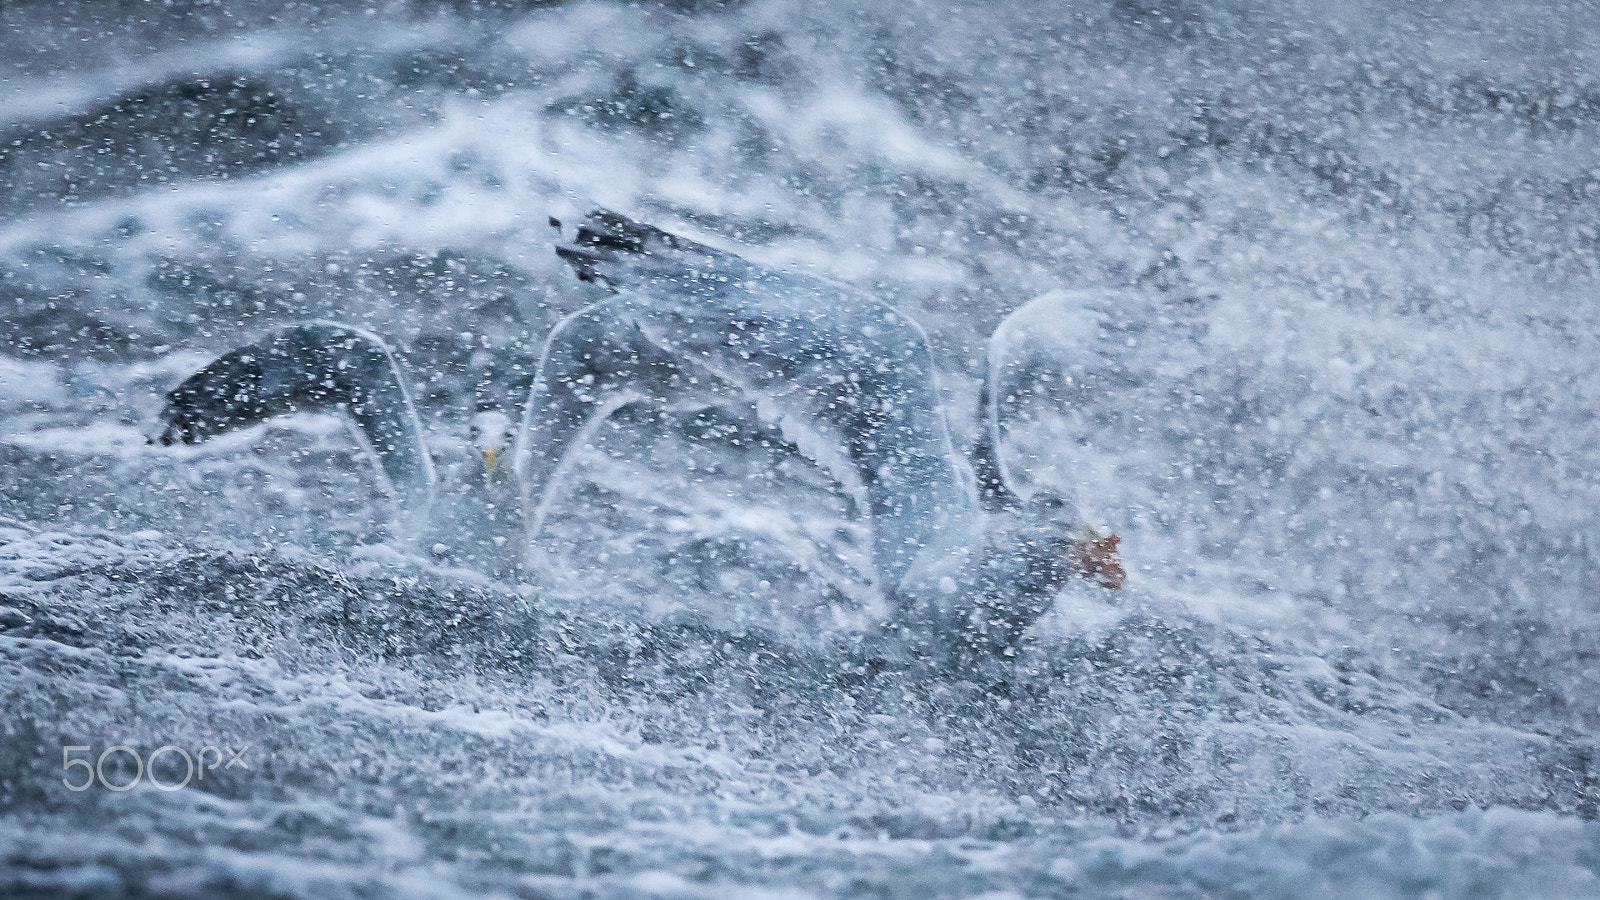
(1317, 342)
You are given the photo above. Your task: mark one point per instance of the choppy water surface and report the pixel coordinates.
(1325, 280)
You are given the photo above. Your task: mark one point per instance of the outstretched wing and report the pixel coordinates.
(816, 358)
(311, 367)
(1045, 360)
(1040, 360)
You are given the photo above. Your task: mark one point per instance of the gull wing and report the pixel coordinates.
(311, 367)
(817, 358)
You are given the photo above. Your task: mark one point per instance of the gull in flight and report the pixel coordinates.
(848, 380)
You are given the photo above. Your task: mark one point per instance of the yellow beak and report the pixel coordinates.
(489, 457)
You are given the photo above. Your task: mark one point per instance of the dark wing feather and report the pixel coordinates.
(310, 367)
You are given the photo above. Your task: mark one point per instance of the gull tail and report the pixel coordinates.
(313, 367)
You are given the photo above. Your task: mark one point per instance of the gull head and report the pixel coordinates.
(491, 434)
